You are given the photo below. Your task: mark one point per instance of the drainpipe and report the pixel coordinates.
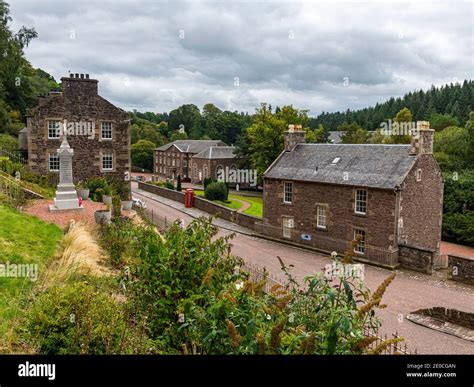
(397, 192)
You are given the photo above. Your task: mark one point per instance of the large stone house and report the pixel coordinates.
(98, 131)
(212, 162)
(386, 198)
(174, 158)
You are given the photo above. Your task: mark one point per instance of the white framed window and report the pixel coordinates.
(106, 131)
(107, 162)
(359, 236)
(288, 192)
(288, 223)
(418, 174)
(161, 160)
(185, 163)
(53, 162)
(321, 216)
(361, 201)
(53, 129)
(178, 162)
(174, 162)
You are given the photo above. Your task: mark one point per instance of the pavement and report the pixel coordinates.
(408, 292)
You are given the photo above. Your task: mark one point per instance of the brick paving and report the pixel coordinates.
(409, 291)
(40, 208)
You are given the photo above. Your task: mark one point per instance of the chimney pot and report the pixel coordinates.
(87, 76)
(77, 75)
(82, 76)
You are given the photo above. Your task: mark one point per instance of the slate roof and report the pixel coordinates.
(217, 152)
(191, 146)
(368, 165)
(335, 135)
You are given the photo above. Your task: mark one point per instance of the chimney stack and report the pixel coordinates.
(293, 136)
(79, 86)
(422, 139)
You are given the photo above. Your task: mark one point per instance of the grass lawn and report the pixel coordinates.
(256, 203)
(23, 239)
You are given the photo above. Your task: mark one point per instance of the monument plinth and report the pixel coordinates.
(66, 195)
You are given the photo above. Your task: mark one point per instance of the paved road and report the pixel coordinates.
(408, 292)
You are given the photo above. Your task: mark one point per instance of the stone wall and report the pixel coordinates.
(461, 269)
(79, 102)
(379, 222)
(202, 204)
(416, 259)
(165, 192)
(453, 316)
(421, 205)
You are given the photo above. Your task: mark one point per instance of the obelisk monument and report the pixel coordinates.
(66, 195)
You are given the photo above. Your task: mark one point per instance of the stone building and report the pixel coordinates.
(212, 161)
(387, 198)
(174, 158)
(98, 131)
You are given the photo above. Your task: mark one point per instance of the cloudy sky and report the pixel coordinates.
(157, 55)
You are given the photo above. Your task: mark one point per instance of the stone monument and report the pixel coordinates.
(66, 195)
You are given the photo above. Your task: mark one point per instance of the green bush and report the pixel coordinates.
(117, 238)
(216, 191)
(99, 184)
(207, 181)
(169, 184)
(198, 299)
(458, 207)
(78, 319)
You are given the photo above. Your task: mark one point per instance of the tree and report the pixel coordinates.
(178, 136)
(440, 121)
(321, 134)
(183, 117)
(178, 184)
(142, 154)
(451, 148)
(354, 133)
(470, 131)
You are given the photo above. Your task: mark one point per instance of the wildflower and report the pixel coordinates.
(181, 318)
(239, 285)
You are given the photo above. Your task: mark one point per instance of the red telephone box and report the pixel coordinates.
(189, 198)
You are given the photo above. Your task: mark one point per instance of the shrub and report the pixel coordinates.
(116, 207)
(198, 299)
(169, 184)
(78, 319)
(117, 239)
(98, 195)
(98, 183)
(178, 184)
(207, 181)
(216, 191)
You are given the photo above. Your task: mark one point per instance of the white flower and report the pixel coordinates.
(269, 317)
(239, 285)
(181, 318)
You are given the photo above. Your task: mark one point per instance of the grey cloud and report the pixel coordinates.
(134, 49)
